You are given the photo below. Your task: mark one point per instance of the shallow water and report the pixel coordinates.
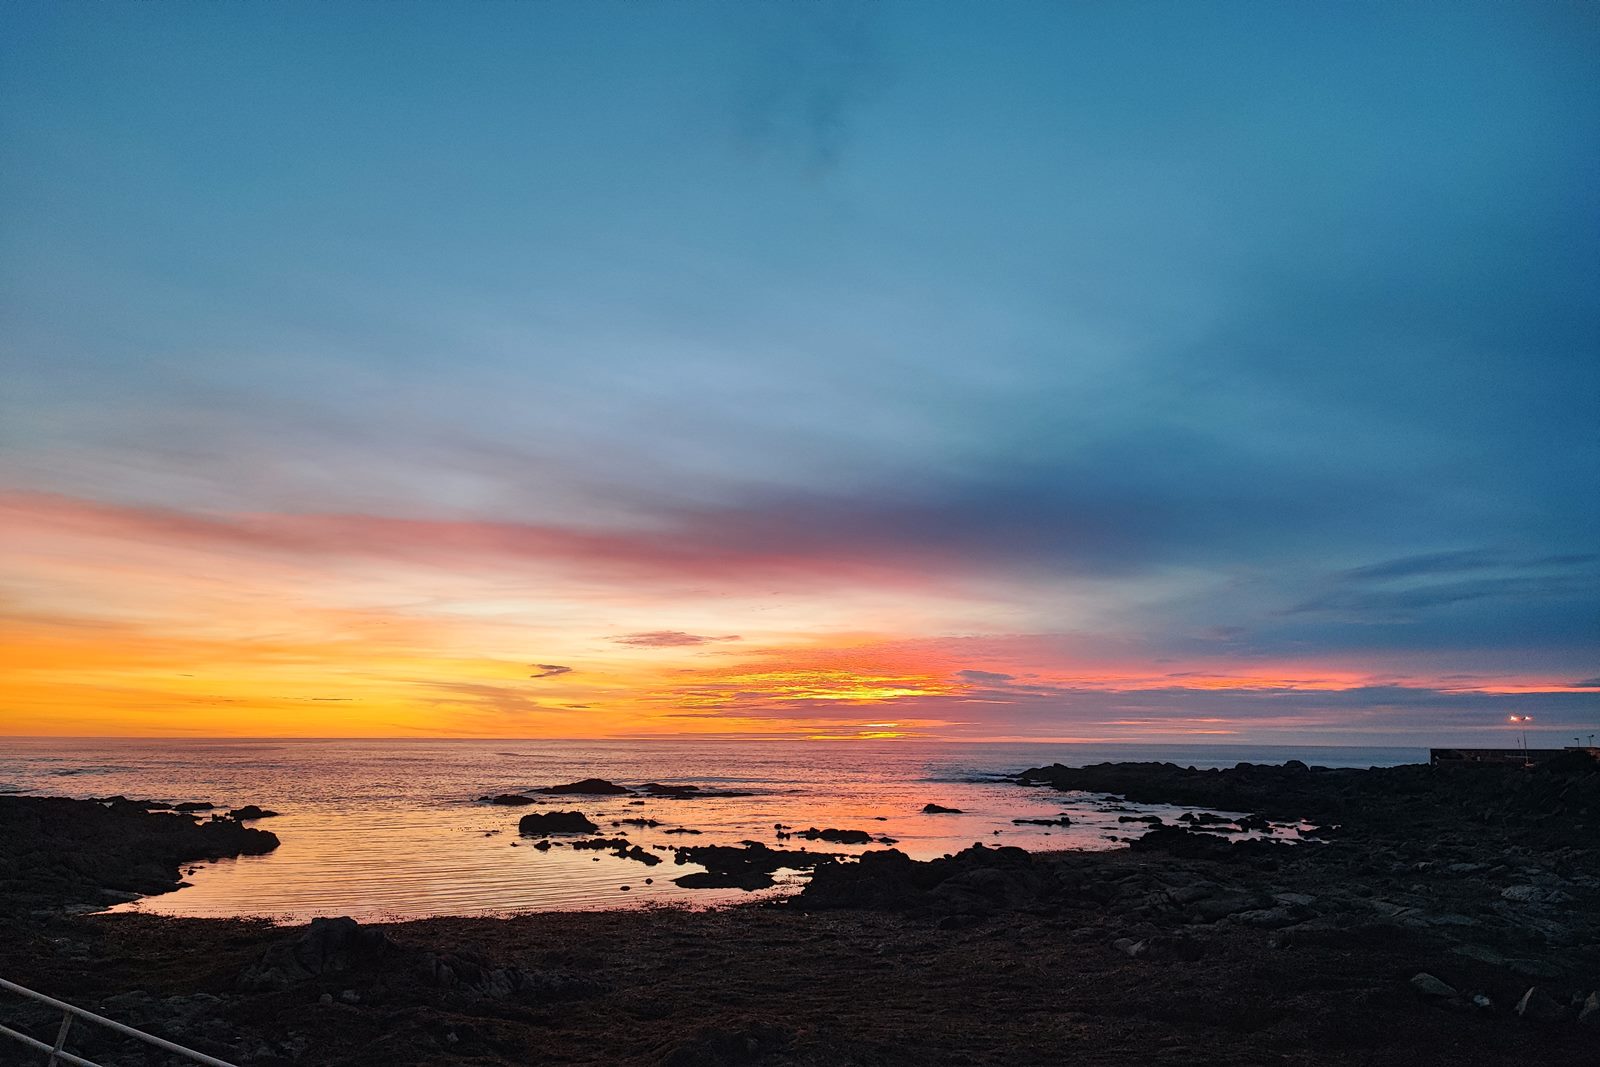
(391, 828)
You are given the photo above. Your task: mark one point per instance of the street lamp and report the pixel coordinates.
(1521, 722)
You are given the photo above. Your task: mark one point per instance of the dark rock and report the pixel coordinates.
(749, 867)
(656, 789)
(746, 880)
(509, 800)
(470, 972)
(1534, 969)
(1060, 820)
(594, 787)
(939, 809)
(328, 946)
(1565, 788)
(193, 805)
(539, 823)
(250, 812)
(1539, 1006)
(1186, 844)
(602, 844)
(634, 852)
(975, 879)
(687, 792)
(838, 837)
(713, 1047)
(1427, 985)
(55, 851)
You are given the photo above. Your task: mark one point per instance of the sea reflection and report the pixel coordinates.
(393, 829)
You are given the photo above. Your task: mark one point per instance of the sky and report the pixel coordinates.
(1115, 372)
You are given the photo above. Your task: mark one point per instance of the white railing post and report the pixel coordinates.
(61, 1039)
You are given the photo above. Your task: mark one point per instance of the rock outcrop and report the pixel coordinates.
(540, 823)
(55, 851)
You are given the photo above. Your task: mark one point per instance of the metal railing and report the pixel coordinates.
(56, 1054)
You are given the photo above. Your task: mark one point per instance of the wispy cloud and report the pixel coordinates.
(669, 639)
(984, 677)
(550, 670)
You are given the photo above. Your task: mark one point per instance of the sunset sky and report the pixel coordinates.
(965, 371)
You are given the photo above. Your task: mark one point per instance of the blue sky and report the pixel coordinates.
(1241, 333)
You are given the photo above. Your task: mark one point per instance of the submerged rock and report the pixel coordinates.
(688, 792)
(940, 809)
(656, 789)
(508, 800)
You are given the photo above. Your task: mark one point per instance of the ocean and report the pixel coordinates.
(392, 829)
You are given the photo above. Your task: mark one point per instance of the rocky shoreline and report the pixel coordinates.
(57, 853)
(1418, 915)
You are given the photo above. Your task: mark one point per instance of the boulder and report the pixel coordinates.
(1538, 1006)
(539, 823)
(508, 800)
(1532, 894)
(328, 946)
(1428, 986)
(940, 809)
(1589, 1014)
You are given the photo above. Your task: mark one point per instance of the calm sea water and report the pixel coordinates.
(391, 828)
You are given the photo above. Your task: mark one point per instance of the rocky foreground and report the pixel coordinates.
(1427, 915)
